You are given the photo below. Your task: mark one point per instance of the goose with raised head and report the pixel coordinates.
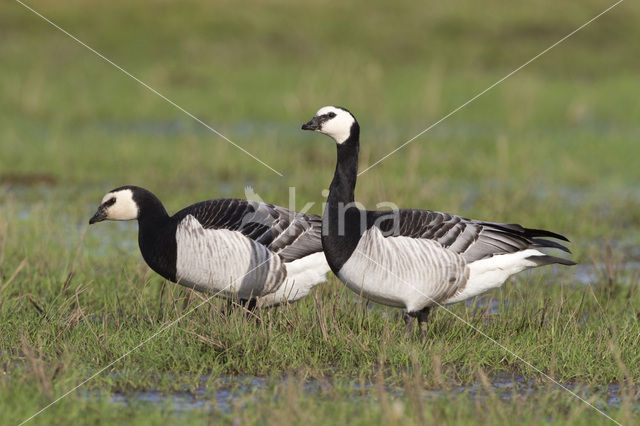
(256, 252)
(415, 259)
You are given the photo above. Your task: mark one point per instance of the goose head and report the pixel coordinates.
(334, 121)
(118, 204)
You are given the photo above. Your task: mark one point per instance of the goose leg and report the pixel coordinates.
(249, 305)
(408, 322)
(227, 308)
(422, 316)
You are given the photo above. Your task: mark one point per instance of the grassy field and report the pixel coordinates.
(555, 146)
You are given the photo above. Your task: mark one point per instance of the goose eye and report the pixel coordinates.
(110, 202)
(331, 114)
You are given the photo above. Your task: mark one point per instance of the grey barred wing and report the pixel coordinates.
(290, 234)
(472, 239)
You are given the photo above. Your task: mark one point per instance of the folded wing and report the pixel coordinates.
(472, 239)
(290, 234)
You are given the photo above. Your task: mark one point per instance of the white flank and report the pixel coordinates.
(225, 261)
(404, 272)
(492, 272)
(302, 275)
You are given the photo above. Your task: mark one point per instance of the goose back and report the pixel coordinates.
(289, 234)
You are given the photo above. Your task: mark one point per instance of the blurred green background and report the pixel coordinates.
(555, 146)
(256, 70)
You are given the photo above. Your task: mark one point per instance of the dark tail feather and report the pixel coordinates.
(527, 232)
(548, 260)
(541, 242)
(531, 233)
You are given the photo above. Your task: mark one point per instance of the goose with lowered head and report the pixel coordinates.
(256, 252)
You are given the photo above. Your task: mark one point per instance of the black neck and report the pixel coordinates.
(156, 234)
(151, 214)
(342, 221)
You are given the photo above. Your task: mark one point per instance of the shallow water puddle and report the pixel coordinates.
(232, 391)
(592, 274)
(237, 391)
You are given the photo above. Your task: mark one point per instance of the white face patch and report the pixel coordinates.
(124, 207)
(338, 127)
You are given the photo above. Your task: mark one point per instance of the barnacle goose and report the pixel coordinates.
(259, 253)
(415, 259)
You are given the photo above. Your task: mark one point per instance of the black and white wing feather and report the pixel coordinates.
(472, 239)
(290, 234)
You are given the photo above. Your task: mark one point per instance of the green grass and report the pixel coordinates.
(554, 146)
